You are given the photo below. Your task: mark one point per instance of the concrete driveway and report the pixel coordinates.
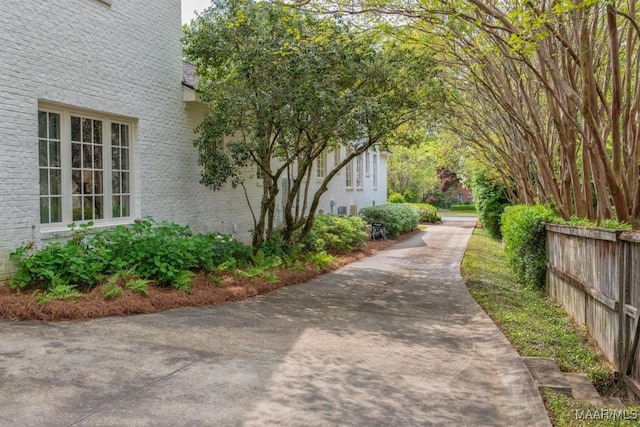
(392, 340)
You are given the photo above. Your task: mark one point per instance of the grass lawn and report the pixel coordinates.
(447, 212)
(538, 327)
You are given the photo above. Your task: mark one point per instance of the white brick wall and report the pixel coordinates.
(121, 59)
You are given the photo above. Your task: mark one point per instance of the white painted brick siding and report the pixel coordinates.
(121, 59)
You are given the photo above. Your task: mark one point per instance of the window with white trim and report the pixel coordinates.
(375, 170)
(85, 168)
(321, 165)
(359, 177)
(367, 163)
(348, 172)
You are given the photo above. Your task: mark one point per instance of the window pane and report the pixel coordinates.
(126, 208)
(42, 152)
(76, 182)
(115, 207)
(54, 126)
(87, 154)
(125, 182)
(115, 134)
(77, 208)
(98, 207)
(125, 136)
(44, 210)
(54, 154)
(56, 209)
(86, 130)
(97, 157)
(97, 132)
(75, 129)
(88, 207)
(76, 155)
(97, 181)
(115, 183)
(42, 124)
(87, 181)
(55, 182)
(115, 158)
(124, 159)
(44, 182)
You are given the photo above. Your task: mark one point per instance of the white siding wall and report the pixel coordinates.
(122, 59)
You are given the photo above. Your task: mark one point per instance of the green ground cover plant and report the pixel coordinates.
(398, 218)
(163, 252)
(336, 234)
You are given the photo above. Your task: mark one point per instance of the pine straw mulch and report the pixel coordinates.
(205, 290)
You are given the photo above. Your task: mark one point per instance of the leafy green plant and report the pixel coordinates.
(320, 259)
(260, 264)
(428, 213)
(524, 235)
(57, 289)
(112, 291)
(397, 218)
(182, 280)
(139, 286)
(584, 222)
(491, 199)
(395, 198)
(336, 234)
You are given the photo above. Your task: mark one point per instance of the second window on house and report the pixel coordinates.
(85, 167)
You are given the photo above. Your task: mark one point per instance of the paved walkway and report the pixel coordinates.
(392, 340)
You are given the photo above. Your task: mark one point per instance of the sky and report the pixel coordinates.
(188, 6)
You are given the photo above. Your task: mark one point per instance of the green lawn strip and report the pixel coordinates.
(447, 212)
(533, 323)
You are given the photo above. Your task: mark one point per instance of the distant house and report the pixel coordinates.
(97, 119)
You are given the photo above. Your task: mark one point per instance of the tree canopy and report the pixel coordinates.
(285, 86)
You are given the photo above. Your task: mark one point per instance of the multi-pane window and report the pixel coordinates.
(375, 170)
(348, 172)
(50, 167)
(85, 168)
(321, 165)
(359, 177)
(336, 156)
(367, 163)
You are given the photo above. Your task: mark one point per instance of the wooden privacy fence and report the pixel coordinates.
(595, 274)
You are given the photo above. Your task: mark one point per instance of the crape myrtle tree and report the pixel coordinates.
(283, 87)
(549, 92)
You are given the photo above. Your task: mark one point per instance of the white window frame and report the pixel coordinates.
(348, 173)
(359, 173)
(107, 166)
(321, 166)
(375, 171)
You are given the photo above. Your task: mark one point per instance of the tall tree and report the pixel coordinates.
(285, 86)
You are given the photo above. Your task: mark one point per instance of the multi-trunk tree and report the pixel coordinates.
(285, 86)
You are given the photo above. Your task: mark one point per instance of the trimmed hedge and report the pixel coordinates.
(463, 208)
(397, 218)
(523, 232)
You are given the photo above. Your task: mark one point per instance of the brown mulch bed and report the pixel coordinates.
(205, 290)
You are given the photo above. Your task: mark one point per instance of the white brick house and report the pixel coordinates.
(96, 123)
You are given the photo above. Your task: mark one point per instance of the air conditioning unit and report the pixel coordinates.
(342, 210)
(353, 210)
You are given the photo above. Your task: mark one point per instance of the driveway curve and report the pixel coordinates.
(391, 340)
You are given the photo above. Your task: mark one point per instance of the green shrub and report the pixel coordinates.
(463, 208)
(428, 213)
(395, 198)
(523, 232)
(336, 234)
(491, 199)
(397, 218)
